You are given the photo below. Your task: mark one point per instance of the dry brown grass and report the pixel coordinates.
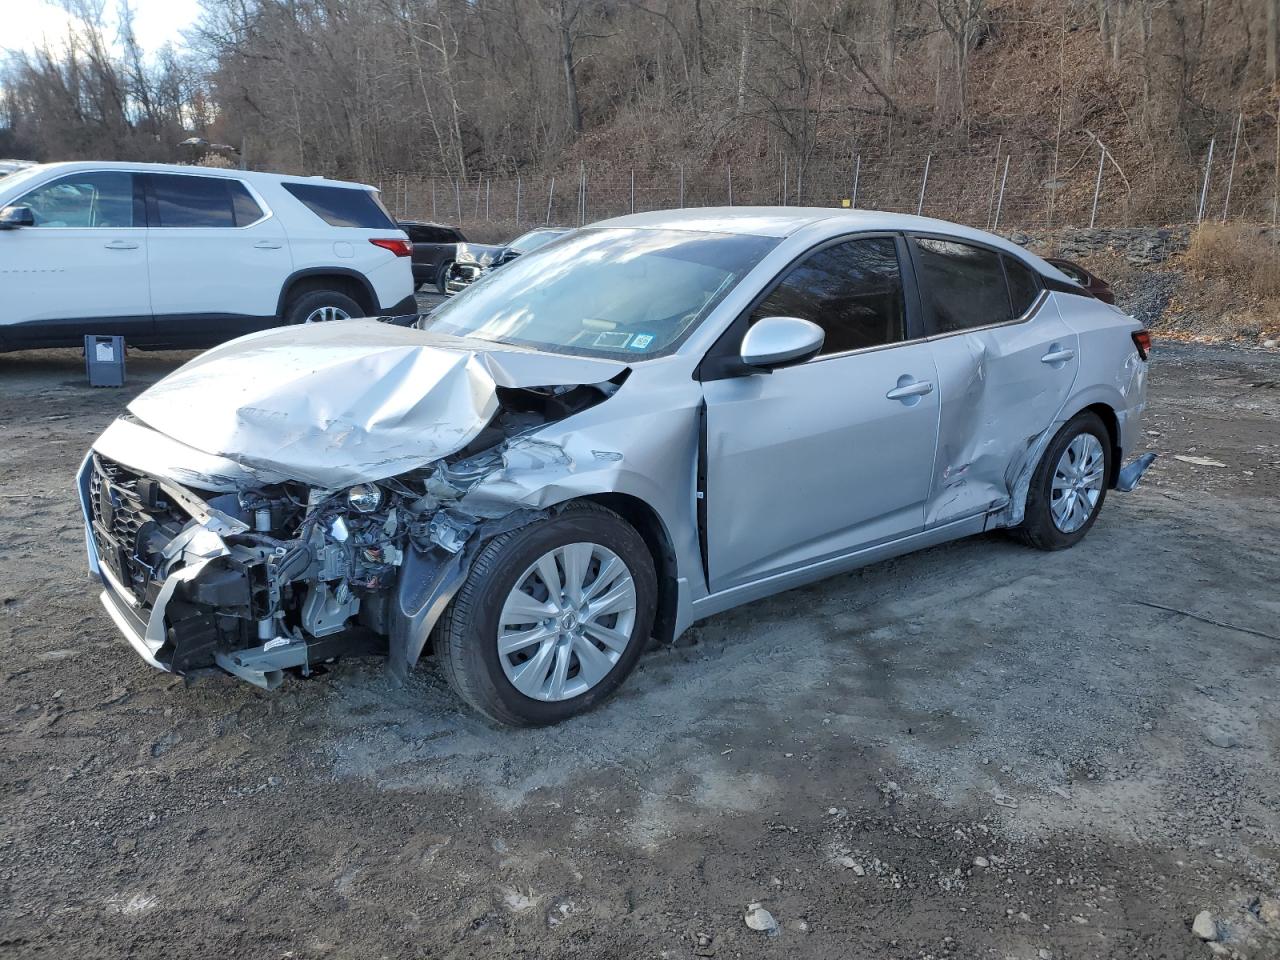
(1245, 256)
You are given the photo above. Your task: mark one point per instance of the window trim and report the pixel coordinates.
(153, 205)
(1026, 317)
(139, 203)
(721, 361)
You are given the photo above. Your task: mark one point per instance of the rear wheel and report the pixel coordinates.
(551, 619)
(1069, 485)
(320, 306)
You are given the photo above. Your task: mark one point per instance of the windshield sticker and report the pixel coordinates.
(612, 340)
(641, 340)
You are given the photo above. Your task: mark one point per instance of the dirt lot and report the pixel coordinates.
(976, 751)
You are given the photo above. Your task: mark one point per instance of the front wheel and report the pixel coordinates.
(551, 619)
(442, 278)
(1069, 485)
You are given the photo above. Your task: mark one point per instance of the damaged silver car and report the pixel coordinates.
(644, 423)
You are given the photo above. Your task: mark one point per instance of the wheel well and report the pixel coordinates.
(1112, 423)
(646, 522)
(342, 283)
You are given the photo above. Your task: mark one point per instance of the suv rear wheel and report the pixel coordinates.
(317, 306)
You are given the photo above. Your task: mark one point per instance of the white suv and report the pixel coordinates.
(172, 256)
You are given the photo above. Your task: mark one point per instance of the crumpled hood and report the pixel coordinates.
(335, 404)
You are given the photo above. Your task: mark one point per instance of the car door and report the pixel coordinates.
(1005, 364)
(82, 267)
(218, 258)
(816, 460)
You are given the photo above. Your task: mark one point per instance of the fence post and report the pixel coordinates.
(488, 192)
(1231, 175)
(582, 193)
(785, 185)
(433, 199)
(681, 185)
(995, 224)
(1204, 190)
(995, 175)
(519, 184)
(457, 196)
(731, 184)
(857, 171)
(924, 184)
(550, 196)
(1097, 184)
(633, 189)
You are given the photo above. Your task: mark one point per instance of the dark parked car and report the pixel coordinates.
(435, 247)
(1091, 282)
(473, 259)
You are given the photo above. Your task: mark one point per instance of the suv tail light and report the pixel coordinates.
(401, 248)
(1142, 340)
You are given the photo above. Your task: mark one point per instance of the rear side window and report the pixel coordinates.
(962, 286)
(342, 206)
(183, 201)
(1023, 285)
(852, 290)
(421, 233)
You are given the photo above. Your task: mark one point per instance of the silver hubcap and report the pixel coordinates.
(323, 314)
(1077, 483)
(567, 621)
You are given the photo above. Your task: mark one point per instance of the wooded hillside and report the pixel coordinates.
(783, 96)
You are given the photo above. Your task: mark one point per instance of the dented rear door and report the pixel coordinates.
(1002, 383)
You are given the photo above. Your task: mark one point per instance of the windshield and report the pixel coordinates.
(528, 242)
(621, 293)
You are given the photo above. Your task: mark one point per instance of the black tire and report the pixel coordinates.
(1038, 528)
(466, 637)
(301, 307)
(442, 278)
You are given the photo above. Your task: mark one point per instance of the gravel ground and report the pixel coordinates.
(974, 751)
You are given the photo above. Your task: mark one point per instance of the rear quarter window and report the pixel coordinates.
(342, 206)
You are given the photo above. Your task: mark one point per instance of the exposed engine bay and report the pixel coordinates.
(285, 574)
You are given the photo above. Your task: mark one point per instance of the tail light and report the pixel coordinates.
(401, 248)
(1142, 340)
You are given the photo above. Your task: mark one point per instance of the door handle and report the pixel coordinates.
(1057, 355)
(268, 245)
(121, 245)
(913, 388)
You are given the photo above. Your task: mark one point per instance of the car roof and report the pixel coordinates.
(428, 223)
(252, 176)
(782, 222)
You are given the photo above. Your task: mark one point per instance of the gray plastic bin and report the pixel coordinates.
(104, 361)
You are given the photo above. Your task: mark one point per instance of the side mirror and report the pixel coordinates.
(11, 218)
(773, 342)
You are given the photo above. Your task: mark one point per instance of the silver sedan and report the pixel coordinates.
(644, 423)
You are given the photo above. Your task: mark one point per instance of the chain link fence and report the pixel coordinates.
(1004, 191)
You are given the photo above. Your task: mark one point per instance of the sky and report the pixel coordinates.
(156, 22)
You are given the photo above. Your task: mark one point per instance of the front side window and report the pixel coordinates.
(342, 206)
(101, 199)
(852, 290)
(963, 286)
(623, 293)
(187, 201)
